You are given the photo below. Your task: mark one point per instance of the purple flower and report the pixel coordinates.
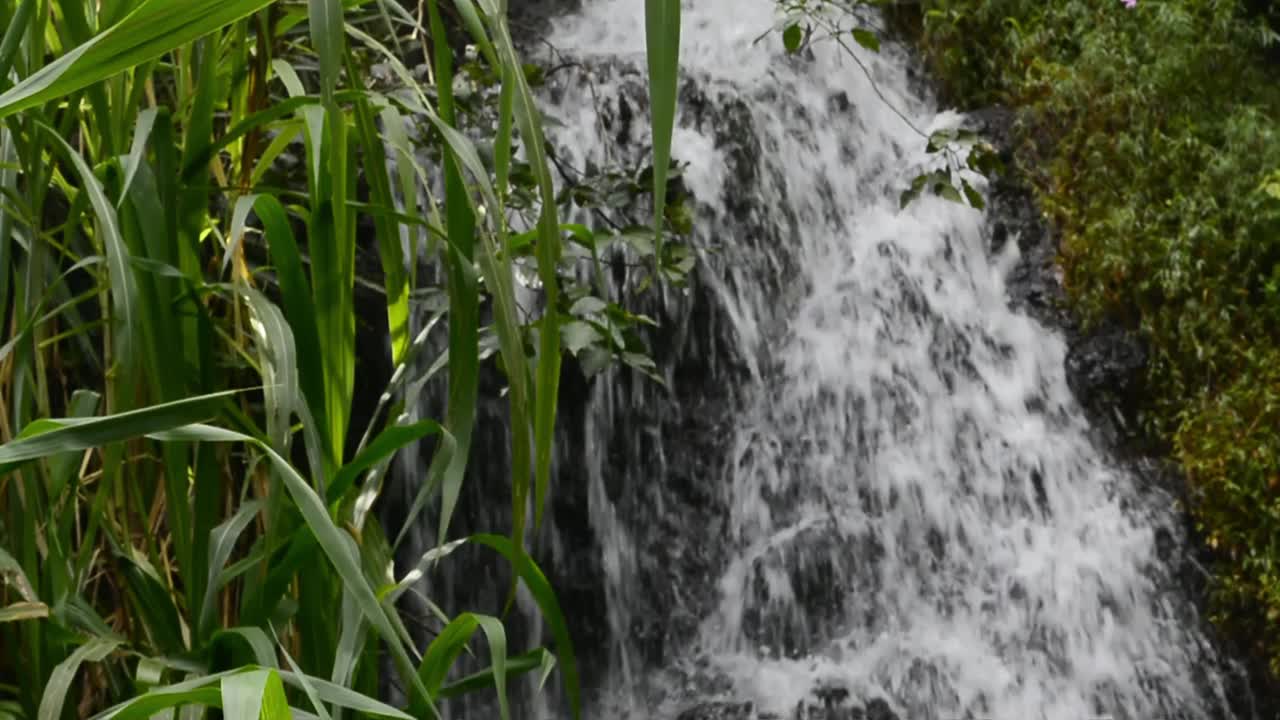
(1131, 4)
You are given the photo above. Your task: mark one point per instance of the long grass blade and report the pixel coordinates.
(464, 303)
(70, 434)
(254, 638)
(222, 542)
(56, 690)
(155, 28)
(534, 660)
(395, 280)
(243, 694)
(299, 308)
(334, 694)
(549, 606)
(124, 293)
(384, 446)
(662, 37)
(547, 386)
(337, 545)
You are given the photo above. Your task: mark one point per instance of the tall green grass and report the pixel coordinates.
(181, 523)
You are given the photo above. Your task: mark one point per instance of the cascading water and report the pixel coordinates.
(913, 505)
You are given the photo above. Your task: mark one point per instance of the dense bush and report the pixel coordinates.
(1151, 137)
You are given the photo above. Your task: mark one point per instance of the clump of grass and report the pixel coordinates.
(181, 523)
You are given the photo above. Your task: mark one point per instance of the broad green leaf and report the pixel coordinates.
(867, 39)
(792, 37)
(395, 279)
(332, 228)
(397, 139)
(326, 20)
(579, 335)
(974, 197)
(453, 639)
(154, 599)
(13, 38)
(949, 192)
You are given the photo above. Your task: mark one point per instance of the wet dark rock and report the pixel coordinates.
(1033, 283)
(530, 19)
(823, 568)
(835, 702)
(1106, 366)
(827, 701)
(878, 709)
(719, 711)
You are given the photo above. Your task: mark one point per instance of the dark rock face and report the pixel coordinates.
(529, 18)
(878, 709)
(1106, 364)
(719, 711)
(826, 702)
(1033, 284)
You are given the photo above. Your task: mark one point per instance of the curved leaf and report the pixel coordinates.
(153, 29)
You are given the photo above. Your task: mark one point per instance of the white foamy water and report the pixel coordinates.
(916, 508)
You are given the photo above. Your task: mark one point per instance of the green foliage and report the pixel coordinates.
(1150, 136)
(1231, 451)
(184, 500)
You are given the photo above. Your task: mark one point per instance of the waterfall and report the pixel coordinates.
(910, 504)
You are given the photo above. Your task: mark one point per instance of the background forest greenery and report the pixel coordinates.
(195, 529)
(1151, 136)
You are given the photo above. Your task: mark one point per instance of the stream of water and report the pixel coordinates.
(916, 509)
